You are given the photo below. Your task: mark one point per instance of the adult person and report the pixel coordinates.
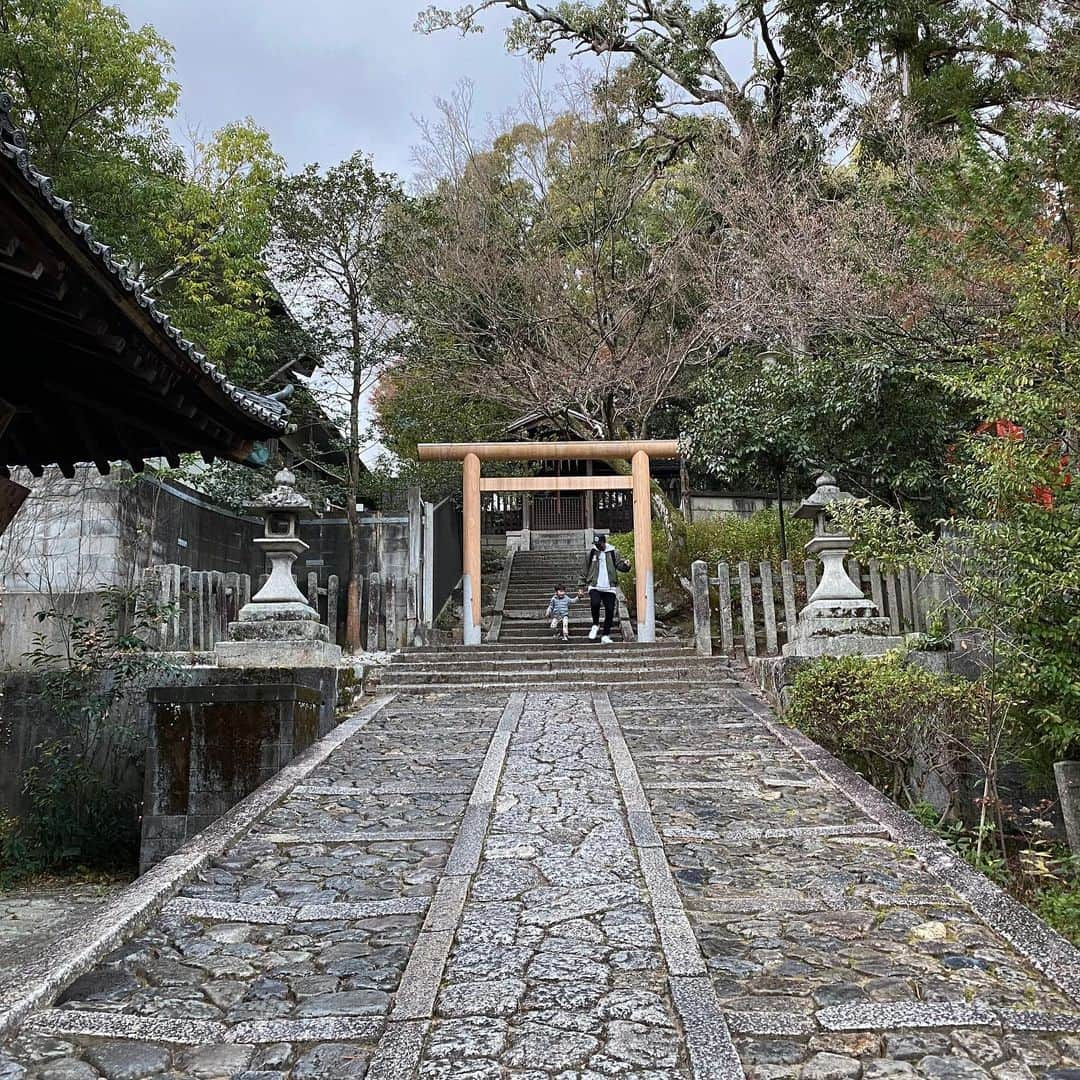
(602, 568)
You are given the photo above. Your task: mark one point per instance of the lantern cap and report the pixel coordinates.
(283, 495)
(826, 491)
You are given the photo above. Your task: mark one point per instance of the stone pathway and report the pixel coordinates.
(578, 886)
(32, 916)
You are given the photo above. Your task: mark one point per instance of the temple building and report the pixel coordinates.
(94, 371)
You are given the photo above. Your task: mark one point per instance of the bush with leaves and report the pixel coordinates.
(881, 716)
(726, 538)
(76, 817)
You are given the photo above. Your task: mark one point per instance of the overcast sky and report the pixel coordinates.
(327, 77)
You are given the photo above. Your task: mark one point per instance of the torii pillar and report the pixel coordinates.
(637, 452)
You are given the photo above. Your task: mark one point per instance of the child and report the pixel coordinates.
(558, 609)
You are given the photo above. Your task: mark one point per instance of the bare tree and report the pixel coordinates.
(554, 258)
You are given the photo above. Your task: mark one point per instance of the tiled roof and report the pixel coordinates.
(271, 413)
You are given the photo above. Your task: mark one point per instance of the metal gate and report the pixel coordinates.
(614, 511)
(557, 512)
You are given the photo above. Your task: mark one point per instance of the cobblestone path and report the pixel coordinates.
(573, 886)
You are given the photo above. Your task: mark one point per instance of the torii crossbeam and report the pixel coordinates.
(638, 452)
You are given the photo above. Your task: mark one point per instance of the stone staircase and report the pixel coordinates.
(528, 656)
(533, 578)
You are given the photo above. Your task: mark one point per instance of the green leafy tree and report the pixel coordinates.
(670, 44)
(204, 257)
(884, 425)
(836, 69)
(95, 96)
(414, 404)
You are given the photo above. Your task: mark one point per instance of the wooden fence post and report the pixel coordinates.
(894, 605)
(222, 608)
(174, 600)
(152, 589)
(919, 600)
(787, 586)
(232, 599)
(875, 587)
(908, 620)
(390, 606)
(727, 631)
(183, 642)
(374, 606)
(768, 608)
(746, 601)
(699, 575)
(428, 589)
(205, 641)
(412, 579)
(332, 586)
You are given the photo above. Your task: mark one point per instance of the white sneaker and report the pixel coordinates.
(605, 640)
(593, 632)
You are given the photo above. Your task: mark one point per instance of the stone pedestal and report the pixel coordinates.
(212, 745)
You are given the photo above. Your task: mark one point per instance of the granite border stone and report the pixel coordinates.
(708, 1041)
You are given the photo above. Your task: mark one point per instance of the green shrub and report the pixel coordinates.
(76, 818)
(721, 539)
(754, 539)
(876, 713)
(1059, 905)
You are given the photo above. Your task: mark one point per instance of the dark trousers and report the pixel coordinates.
(596, 598)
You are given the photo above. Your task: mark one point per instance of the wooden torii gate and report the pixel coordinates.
(638, 452)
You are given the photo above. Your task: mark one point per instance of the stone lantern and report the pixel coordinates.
(279, 628)
(838, 619)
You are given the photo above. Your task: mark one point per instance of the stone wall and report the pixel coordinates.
(709, 504)
(26, 721)
(75, 537)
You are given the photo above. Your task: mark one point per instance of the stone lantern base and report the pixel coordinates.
(279, 628)
(277, 640)
(842, 629)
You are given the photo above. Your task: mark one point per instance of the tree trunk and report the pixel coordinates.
(352, 594)
(352, 610)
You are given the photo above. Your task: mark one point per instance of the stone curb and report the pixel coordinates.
(133, 909)
(708, 1040)
(399, 1050)
(1041, 946)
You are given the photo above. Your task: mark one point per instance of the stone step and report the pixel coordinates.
(548, 581)
(601, 675)
(502, 686)
(536, 617)
(590, 659)
(500, 650)
(545, 593)
(577, 637)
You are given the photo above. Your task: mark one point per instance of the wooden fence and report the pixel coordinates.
(756, 609)
(203, 603)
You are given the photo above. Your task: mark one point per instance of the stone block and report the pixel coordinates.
(276, 654)
(213, 744)
(848, 636)
(775, 677)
